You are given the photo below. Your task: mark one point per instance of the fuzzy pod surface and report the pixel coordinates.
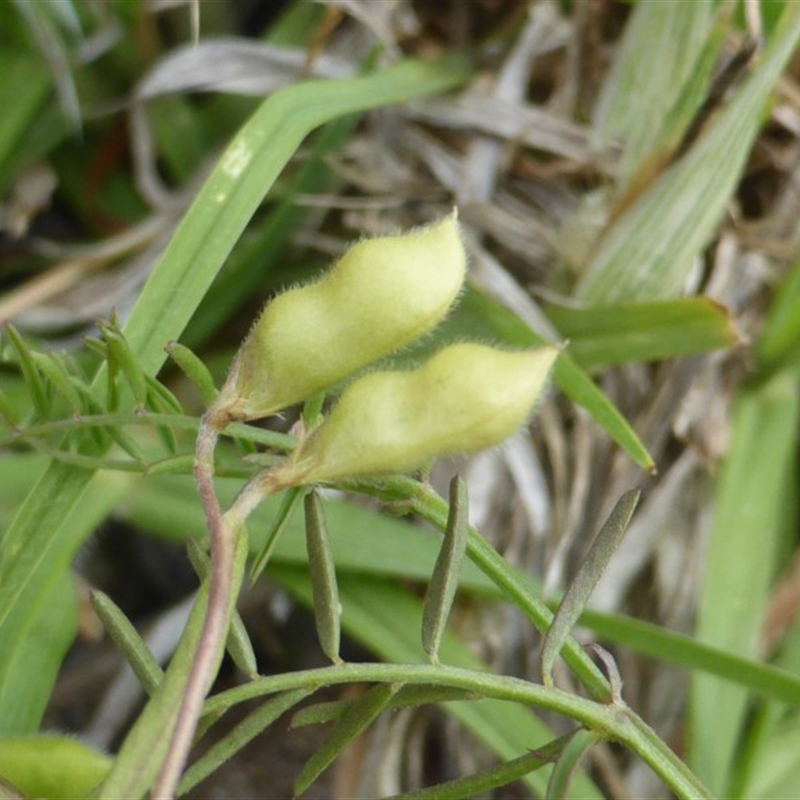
(466, 398)
(382, 294)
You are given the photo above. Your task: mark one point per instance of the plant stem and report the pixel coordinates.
(223, 530)
(614, 721)
(217, 614)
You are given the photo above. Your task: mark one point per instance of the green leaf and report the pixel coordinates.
(244, 732)
(52, 767)
(322, 574)
(489, 779)
(290, 499)
(143, 752)
(31, 672)
(746, 537)
(23, 90)
(447, 570)
(127, 639)
(612, 335)
(655, 63)
(649, 251)
(580, 588)
(567, 763)
(167, 507)
(780, 338)
(360, 714)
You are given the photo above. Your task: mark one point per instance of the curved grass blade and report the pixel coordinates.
(607, 336)
(748, 532)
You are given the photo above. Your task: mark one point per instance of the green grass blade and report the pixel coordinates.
(23, 90)
(608, 336)
(649, 251)
(29, 678)
(656, 60)
(740, 562)
(31, 610)
(780, 339)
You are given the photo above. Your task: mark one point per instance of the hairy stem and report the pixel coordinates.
(217, 615)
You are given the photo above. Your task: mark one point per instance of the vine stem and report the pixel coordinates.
(213, 634)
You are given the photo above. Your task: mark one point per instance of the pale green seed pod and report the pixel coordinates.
(466, 398)
(382, 294)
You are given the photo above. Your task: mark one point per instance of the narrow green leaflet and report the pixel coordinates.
(322, 574)
(128, 641)
(358, 716)
(447, 570)
(244, 732)
(47, 530)
(500, 775)
(567, 763)
(648, 253)
(577, 595)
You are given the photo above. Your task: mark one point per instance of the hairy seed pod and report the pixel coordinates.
(466, 398)
(382, 294)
